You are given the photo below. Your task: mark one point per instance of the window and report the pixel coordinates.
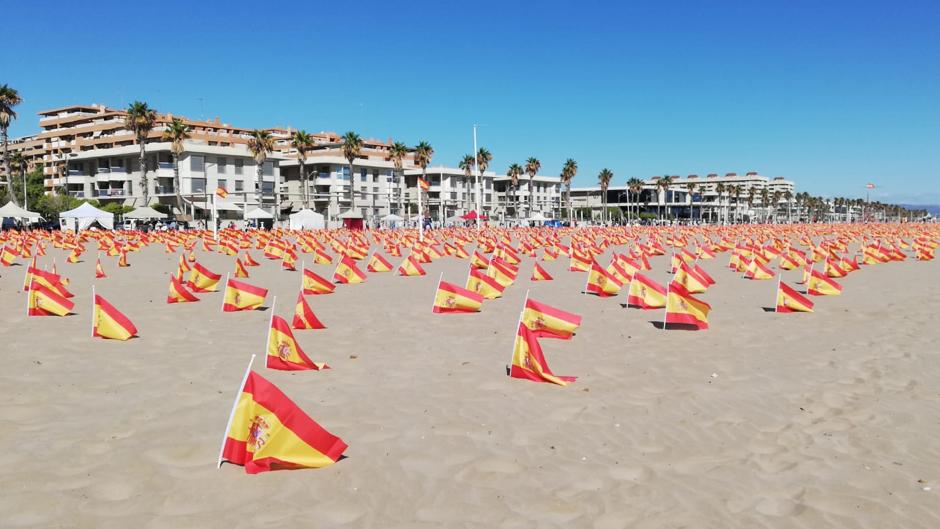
(222, 167)
(239, 185)
(198, 185)
(363, 176)
(197, 164)
(345, 173)
(375, 190)
(223, 183)
(239, 166)
(267, 188)
(268, 169)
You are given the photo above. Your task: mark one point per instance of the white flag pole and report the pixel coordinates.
(29, 295)
(224, 289)
(93, 304)
(303, 269)
(777, 292)
(231, 415)
(215, 214)
(439, 280)
(270, 324)
(666, 308)
(516, 333)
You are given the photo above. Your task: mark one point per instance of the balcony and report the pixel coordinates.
(164, 190)
(109, 193)
(165, 165)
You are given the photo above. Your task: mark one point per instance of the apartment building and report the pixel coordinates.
(714, 198)
(540, 195)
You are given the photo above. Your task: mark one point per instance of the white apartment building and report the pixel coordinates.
(541, 195)
(113, 174)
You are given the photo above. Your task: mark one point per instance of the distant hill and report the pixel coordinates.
(933, 209)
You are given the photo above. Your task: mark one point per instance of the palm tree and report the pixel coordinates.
(9, 98)
(532, 166)
(691, 186)
(775, 200)
(603, 179)
(303, 142)
(175, 133)
(260, 144)
(736, 191)
(467, 163)
(765, 202)
(635, 186)
(140, 120)
(720, 189)
(18, 165)
(788, 195)
(514, 172)
(664, 183)
(483, 162)
(423, 154)
(352, 147)
(396, 154)
(751, 196)
(568, 172)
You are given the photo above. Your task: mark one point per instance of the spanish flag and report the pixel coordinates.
(242, 296)
(833, 268)
(548, 322)
(528, 361)
(410, 267)
(183, 266)
(304, 318)
(122, 261)
(45, 302)
(347, 272)
(241, 271)
(8, 256)
(682, 308)
(820, 285)
(451, 298)
(601, 282)
(540, 274)
(377, 263)
(789, 300)
(221, 192)
(314, 284)
(178, 293)
(479, 261)
(249, 261)
(425, 186)
(579, 262)
(267, 431)
(50, 280)
(484, 285)
(549, 254)
(74, 256)
(108, 322)
(646, 293)
(203, 280)
(284, 353)
(757, 270)
(99, 271)
(503, 272)
(689, 279)
(321, 257)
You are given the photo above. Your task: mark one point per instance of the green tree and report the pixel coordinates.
(532, 166)
(176, 133)
(603, 180)
(140, 119)
(260, 144)
(568, 172)
(397, 153)
(9, 98)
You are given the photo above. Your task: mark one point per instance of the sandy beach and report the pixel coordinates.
(829, 419)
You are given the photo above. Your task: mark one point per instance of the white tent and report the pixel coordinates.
(145, 213)
(391, 217)
(538, 217)
(84, 216)
(11, 210)
(306, 219)
(258, 213)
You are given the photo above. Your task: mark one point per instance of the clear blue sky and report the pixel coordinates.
(832, 94)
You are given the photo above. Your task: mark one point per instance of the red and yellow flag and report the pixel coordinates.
(451, 298)
(314, 284)
(110, 323)
(683, 308)
(377, 263)
(179, 293)
(201, 279)
(425, 186)
(758, 270)
(646, 293)
(789, 300)
(44, 302)
(99, 271)
(221, 192)
(477, 260)
(820, 285)
(267, 431)
(284, 352)
(547, 321)
(484, 285)
(241, 271)
(528, 360)
(540, 274)
(601, 282)
(347, 272)
(242, 296)
(410, 267)
(8, 255)
(249, 261)
(304, 318)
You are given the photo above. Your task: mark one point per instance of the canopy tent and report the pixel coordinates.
(220, 205)
(352, 219)
(350, 214)
(473, 216)
(391, 217)
(538, 217)
(84, 216)
(11, 210)
(145, 213)
(306, 219)
(258, 213)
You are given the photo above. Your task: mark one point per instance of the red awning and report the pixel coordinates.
(472, 216)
